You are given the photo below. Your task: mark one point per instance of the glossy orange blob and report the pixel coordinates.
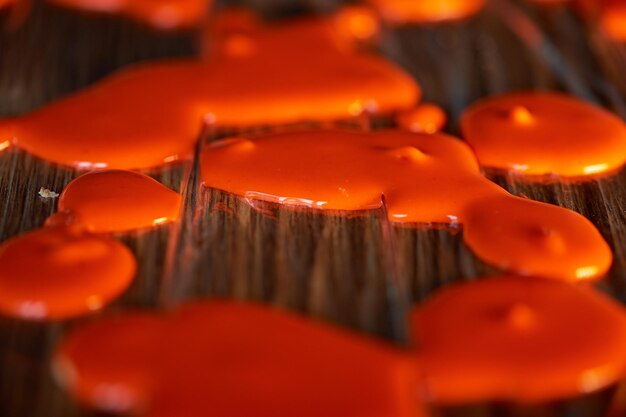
(152, 114)
(161, 14)
(539, 133)
(232, 359)
(60, 272)
(428, 179)
(518, 339)
(117, 201)
(425, 118)
(426, 11)
(525, 233)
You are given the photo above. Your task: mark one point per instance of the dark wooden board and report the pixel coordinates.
(359, 271)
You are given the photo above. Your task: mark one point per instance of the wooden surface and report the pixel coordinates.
(359, 271)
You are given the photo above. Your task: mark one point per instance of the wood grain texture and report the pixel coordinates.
(358, 270)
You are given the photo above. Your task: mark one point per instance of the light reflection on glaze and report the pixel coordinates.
(237, 360)
(518, 339)
(426, 11)
(152, 114)
(541, 133)
(425, 118)
(161, 14)
(427, 179)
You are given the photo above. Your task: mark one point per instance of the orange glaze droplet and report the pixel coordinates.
(425, 118)
(59, 272)
(518, 339)
(161, 14)
(151, 114)
(428, 179)
(426, 11)
(523, 233)
(540, 133)
(232, 359)
(117, 201)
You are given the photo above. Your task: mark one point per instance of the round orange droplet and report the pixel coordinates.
(426, 11)
(539, 133)
(117, 201)
(425, 118)
(161, 14)
(216, 358)
(61, 272)
(518, 339)
(533, 238)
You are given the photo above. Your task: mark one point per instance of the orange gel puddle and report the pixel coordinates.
(428, 179)
(117, 201)
(230, 359)
(426, 11)
(425, 118)
(539, 133)
(518, 339)
(160, 14)
(152, 114)
(59, 272)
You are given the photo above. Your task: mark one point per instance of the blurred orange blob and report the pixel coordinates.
(518, 339)
(426, 11)
(152, 113)
(117, 201)
(613, 19)
(58, 272)
(357, 23)
(425, 118)
(237, 360)
(161, 14)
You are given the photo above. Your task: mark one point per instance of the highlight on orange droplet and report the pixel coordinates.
(358, 23)
(426, 11)
(544, 133)
(518, 339)
(425, 118)
(522, 116)
(613, 19)
(55, 273)
(216, 358)
(161, 14)
(118, 201)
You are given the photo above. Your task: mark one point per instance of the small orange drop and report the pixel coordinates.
(425, 118)
(118, 201)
